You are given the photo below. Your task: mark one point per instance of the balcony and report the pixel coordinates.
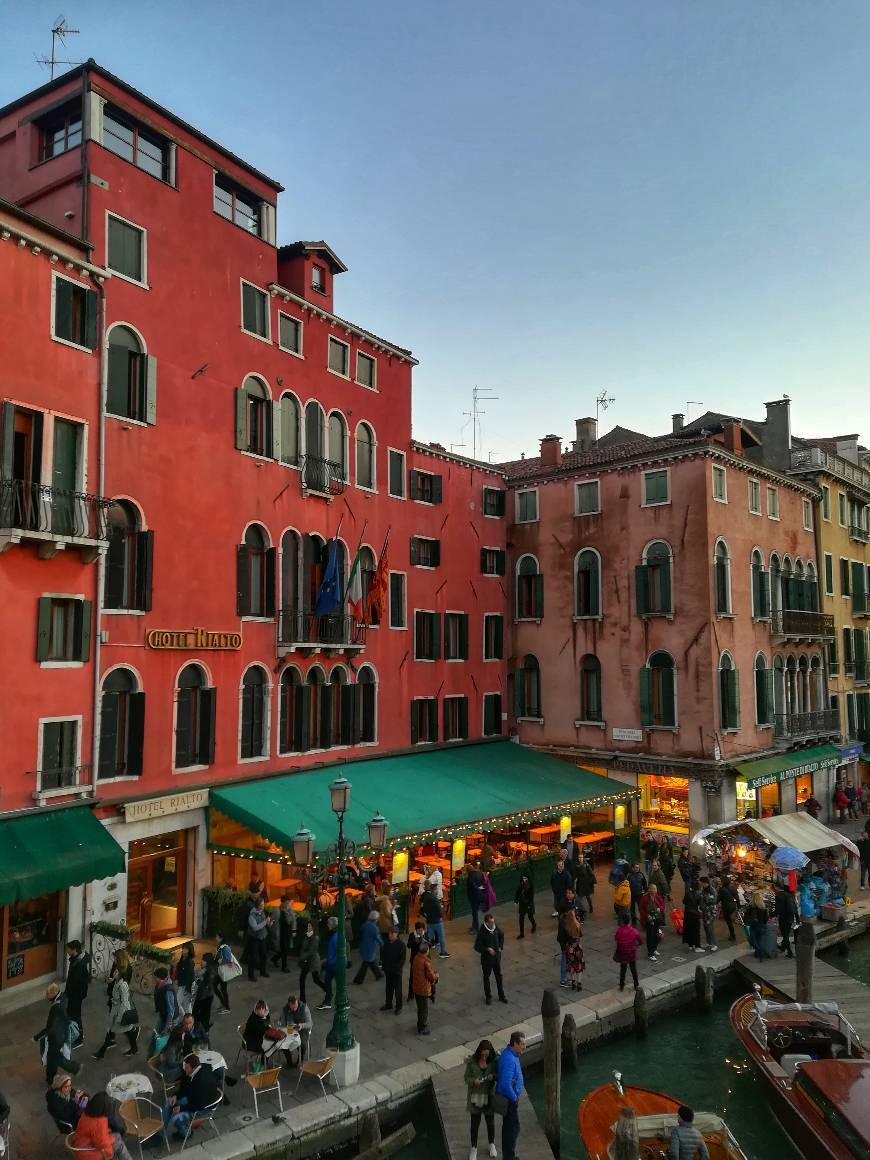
(322, 476)
(791, 726)
(53, 517)
(73, 779)
(305, 633)
(810, 458)
(856, 532)
(799, 624)
(861, 604)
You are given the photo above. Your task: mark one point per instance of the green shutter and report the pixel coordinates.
(150, 389)
(144, 569)
(848, 655)
(764, 592)
(437, 489)
(118, 386)
(665, 571)
(595, 588)
(646, 693)
(109, 709)
(243, 581)
(499, 562)
(436, 553)
(732, 698)
(276, 431)
(415, 552)
(850, 715)
(82, 642)
(858, 582)
(270, 563)
(844, 577)
(641, 587)
(435, 629)
(7, 446)
(829, 573)
(43, 628)
(346, 713)
(666, 678)
(432, 706)
(499, 637)
(63, 313)
(241, 420)
(301, 718)
(519, 694)
(769, 700)
(207, 720)
(90, 320)
(463, 717)
(135, 734)
(539, 595)
(415, 724)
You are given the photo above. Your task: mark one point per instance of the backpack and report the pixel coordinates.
(73, 1032)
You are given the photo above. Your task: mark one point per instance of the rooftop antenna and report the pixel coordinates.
(602, 402)
(59, 32)
(454, 445)
(478, 395)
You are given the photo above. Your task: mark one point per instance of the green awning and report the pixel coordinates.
(41, 853)
(422, 795)
(785, 766)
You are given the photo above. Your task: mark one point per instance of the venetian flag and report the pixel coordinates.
(376, 601)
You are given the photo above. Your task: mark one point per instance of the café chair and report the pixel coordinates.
(244, 1052)
(261, 1082)
(143, 1120)
(80, 1151)
(320, 1069)
(153, 1066)
(204, 1116)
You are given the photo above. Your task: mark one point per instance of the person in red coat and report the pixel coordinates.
(92, 1132)
(627, 941)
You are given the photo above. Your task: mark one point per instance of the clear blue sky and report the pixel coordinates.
(669, 199)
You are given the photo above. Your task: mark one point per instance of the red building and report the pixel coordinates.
(235, 425)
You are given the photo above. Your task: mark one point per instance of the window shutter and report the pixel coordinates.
(258, 696)
(43, 627)
(646, 709)
(667, 686)
(641, 586)
(82, 626)
(136, 734)
(595, 588)
(243, 581)
(109, 709)
(270, 563)
(91, 311)
(414, 484)
(732, 698)
(183, 728)
(500, 503)
(483, 560)
(432, 708)
(539, 595)
(7, 443)
(463, 717)
(275, 451)
(756, 590)
(347, 714)
(415, 554)
(207, 719)
(301, 718)
(437, 489)
(768, 697)
(436, 553)
(463, 635)
(519, 694)
(241, 420)
(857, 580)
(499, 637)
(118, 386)
(848, 657)
(63, 313)
(367, 721)
(415, 723)
(435, 628)
(150, 389)
(144, 569)
(325, 722)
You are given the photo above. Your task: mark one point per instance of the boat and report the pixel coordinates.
(656, 1115)
(816, 1070)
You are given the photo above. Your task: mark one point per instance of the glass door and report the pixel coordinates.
(157, 887)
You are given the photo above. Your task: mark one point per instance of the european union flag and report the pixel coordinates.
(329, 595)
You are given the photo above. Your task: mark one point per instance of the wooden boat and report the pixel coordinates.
(656, 1116)
(816, 1071)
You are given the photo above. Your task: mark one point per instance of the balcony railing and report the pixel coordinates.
(861, 604)
(74, 778)
(806, 458)
(322, 475)
(856, 532)
(51, 511)
(807, 724)
(305, 630)
(800, 623)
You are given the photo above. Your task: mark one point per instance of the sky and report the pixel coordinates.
(663, 200)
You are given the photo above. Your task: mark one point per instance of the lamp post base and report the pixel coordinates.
(346, 1070)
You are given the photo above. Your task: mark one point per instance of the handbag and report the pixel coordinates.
(500, 1104)
(130, 1017)
(231, 970)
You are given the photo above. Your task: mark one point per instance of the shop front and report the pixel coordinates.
(664, 807)
(770, 786)
(42, 855)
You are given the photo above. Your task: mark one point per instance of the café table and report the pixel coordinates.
(292, 1041)
(128, 1086)
(213, 1058)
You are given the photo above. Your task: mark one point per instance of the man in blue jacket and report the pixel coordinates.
(369, 948)
(510, 1085)
(329, 967)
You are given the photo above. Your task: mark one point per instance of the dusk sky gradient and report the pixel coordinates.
(666, 199)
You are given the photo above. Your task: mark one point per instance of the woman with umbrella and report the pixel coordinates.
(786, 859)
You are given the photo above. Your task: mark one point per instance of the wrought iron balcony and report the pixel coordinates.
(856, 532)
(73, 779)
(303, 631)
(52, 515)
(792, 725)
(801, 624)
(322, 475)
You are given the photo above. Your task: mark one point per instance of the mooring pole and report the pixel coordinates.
(805, 956)
(552, 1068)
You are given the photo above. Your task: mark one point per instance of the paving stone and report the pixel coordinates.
(358, 1098)
(232, 1146)
(452, 1057)
(317, 1113)
(265, 1135)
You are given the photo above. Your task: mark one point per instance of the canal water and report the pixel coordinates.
(856, 963)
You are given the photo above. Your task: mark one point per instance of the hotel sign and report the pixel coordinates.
(163, 807)
(192, 638)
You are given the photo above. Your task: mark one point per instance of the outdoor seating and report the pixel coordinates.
(203, 1116)
(71, 1147)
(261, 1082)
(321, 1069)
(153, 1066)
(143, 1120)
(244, 1052)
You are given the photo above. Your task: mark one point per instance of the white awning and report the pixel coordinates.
(799, 830)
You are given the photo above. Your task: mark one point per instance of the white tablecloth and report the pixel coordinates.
(290, 1042)
(214, 1058)
(127, 1087)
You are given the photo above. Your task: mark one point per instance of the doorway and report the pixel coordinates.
(63, 477)
(157, 886)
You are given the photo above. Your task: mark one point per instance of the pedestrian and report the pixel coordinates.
(386, 913)
(864, 794)
(561, 881)
(652, 914)
(525, 900)
(684, 867)
(481, 1071)
(621, 897)
(755, 917)
(841, 803)
(92, 1136)
(627, 941)
(286, 933)
(309, 961)
(78, 978)
(692, 920)
(662, 882)
(650, 853)
(509, 1084)
(227, 967)
(370, 945)
(185, 974)
(54, 1038)
(123, 1018)
(432, 910)
(863, 844)
(418, 937)
(852, 795)
(666, 861)
(686, 1141)
(728, 901)
(433, 880)
(258, 931)
(637, 884)
(814, 807)
(567, 932)
(475, 888)
(331, 959)
(489, 944)
(393, 954)
(708, 904)
(786, 911)
(585, 882)
(204, 990)
(423, 979)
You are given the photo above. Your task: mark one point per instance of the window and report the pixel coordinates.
(764, 700)
(587, 583)
(527, 507)
(63, 629)
(808, 515)
(255, 311)
(253, 731)
(845, 578)
(424, 720)
(255, 575)
(425, 487)
(493, 501)
(122, 726)
(493, 636)
(527, 689)
(128, 560)
(289, 698)
(254, 417)
(145, 149)
(655, 488)
(366, 370)
(427, 636)
(368, 567)
(365, 456)
(841, 509)
(339, 357)
(455, 636)
(722, 578)
(60, 131)
(195, 705)
(729, 693)
(425, 553)
(530, 590)
(366, 706)
(398, 613)
(74, 313)
(291, 421)
(318, 278)
(587, 498)
(657, 692)
(236, 205)
(829, 574)
(289, 334)
(653, 581)
(826, 502)
(590, 689)
(59, 755)
(720, 484)
(773, 503)
(760, 588)
(126, 249)
(131, 387)
(492, 561)
(396, 484)
(455, 718)
(492, 714)
(336, 433)
(755, 497)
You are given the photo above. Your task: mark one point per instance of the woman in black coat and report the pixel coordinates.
(525, 900)
(692, 918)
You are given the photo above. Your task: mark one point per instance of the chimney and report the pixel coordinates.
(551, 451)
(587, 434)
(677, 421)
(732, 436)
(777, 435)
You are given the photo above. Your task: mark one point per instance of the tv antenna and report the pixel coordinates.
(602, 402)
(60, 31)
(478, 395)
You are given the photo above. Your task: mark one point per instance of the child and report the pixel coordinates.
(576, 963)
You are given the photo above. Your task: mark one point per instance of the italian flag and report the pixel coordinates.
(354, 587)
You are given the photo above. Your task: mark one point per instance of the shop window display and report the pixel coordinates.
(664, 806)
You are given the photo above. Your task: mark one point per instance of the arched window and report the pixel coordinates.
(587, 583)
(527, 688)
(530, 589)
(316, 703)
(729, 692)
(359, 588)
(291, 605)
(128, 560)
(653, 580)
(722, 578)
(194, 719)
(764, 697)
(288, 711)
(590, 689)
(254, 730)
(658, 692)
(778, 692)
(291, 419)
(131, 377)
(255, 574)
(338, 443)
(365, 456)
(367, 704)
(811, 587)
(760, 588)
(314, 445)
(122, 726)
(254, 417)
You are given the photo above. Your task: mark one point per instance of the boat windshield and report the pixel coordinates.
(836, 1121)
